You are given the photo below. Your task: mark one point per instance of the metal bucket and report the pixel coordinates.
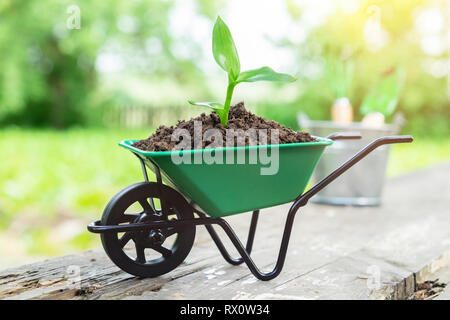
(363, 184)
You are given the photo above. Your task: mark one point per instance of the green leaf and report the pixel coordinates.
(385, 95)
(224, 50)
(264, 74)
(212, 105)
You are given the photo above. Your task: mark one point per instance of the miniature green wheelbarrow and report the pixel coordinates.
(148, 228)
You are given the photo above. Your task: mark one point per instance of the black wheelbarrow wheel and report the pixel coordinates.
(148, 253)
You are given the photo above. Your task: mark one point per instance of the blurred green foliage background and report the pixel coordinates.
(69, 92)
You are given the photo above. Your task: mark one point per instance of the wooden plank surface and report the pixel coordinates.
(334, 253)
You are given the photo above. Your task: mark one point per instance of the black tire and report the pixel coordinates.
(114, 245)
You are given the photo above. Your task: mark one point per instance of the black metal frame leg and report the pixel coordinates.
(221, 247)
(245, 254)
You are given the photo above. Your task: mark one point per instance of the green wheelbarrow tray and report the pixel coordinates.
(219, 190)
(222, 189)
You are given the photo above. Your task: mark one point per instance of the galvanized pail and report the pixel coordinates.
(363, 184)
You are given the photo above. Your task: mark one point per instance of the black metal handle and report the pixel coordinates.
(303, 199)
(393, 139)
(344, 136)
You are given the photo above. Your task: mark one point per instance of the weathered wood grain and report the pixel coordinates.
(334, 253)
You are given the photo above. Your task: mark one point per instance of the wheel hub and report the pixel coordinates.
(157, 237)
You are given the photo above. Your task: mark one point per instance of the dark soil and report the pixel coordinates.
(239, 118)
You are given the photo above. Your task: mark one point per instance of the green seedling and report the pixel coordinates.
(385, 95)
(339, 74)
(227, 58)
